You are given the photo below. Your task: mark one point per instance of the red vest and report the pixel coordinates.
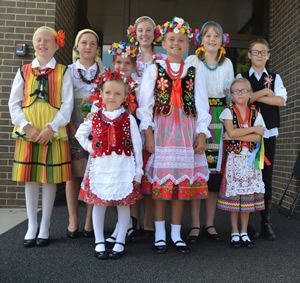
(111, 135)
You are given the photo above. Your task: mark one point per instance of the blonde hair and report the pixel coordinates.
(143, 19)
(44, 28)
(75, 53)
(241, 80)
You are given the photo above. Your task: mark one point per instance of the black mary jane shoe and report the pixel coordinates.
(215, 237)
(41, 242)
(182, 249)
(235, 243)
(111, 243)
(116, 255)
(132, 232)
(246, 242)
(28, 243)
(160, 249)
(88, 234)
(103, 254)
(73, 234)
(192, 239)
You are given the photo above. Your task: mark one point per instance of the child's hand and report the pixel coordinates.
(149, 140)
(259, 130)
(45, 135)
(71, 130)
(226, 137)
(136, 185)
(270, 92)
(200, 143)
(31, 132)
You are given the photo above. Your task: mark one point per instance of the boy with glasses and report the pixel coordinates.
(268, 95)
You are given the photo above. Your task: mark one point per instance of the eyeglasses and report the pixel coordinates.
(240, 91)
(257, 52)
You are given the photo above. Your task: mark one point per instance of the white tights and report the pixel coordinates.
(98, 223)
(32, 199)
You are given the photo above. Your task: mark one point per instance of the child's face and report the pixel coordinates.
(240, 93)
(259, 55)
(176, 44)
(113, 95)
(124, 65)
(44, 44)
(87, 46)
(145, 33)
(212, 40)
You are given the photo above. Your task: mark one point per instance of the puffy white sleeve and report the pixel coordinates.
(82, 135)
(146, 98)
(63, 116)
(259, 121)
(279, 89)
(137, 149)
(15, 102)
(202, 106)
(229, 78)
(225, 115)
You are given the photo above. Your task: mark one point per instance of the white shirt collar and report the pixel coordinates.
(114, 114)
(252, 71)
(36, 64)
(78, 65)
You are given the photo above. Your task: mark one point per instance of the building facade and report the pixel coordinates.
(278, 21)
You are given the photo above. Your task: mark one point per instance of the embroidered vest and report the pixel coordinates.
(52, 85)
(235, 146)
(163, 90)
(111, 135)
(270, 113)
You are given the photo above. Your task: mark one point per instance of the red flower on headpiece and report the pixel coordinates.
(60, 38)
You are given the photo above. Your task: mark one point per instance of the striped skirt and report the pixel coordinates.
(47, 164)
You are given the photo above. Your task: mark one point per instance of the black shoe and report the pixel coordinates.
(73, 234)
(246, 242)
(267, 231)
(88, 234)
(116, 255)
(40, 242)
(216, 237)
(182, 249)
(235, 243)
(192, 239)
(103, 254)
(110, 244)
(29, 243)
(161, 249)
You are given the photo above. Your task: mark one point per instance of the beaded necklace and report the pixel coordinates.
(173, 74)
(86, 80)
(209, 67)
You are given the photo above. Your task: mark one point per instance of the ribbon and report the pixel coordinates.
(176, 98)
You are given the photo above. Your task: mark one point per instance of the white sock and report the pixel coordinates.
(130, 226)
(32, 200)
(98, 224)
(175, 234)
(48, 198)
(123, 220)
(235, 237)
(245, 237)
(160, 232)
(114, 234)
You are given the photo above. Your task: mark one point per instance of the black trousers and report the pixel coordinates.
(267, 172)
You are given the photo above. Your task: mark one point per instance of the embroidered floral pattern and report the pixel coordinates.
(162, 84)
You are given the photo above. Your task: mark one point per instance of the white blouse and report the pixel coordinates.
(85, 129)
(146, 98)
(63, 115)
(217, 81)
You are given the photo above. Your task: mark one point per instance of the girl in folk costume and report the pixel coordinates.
(84, 72)
(114, 170)
(173, 110)
(145, 33)
(242, 189)
(40, 106)
(217, 71)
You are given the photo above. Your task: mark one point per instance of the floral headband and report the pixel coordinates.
(124, 49)
(131, 30)
(177, 25)
(198, 34)
(59, 35)
(109, 75)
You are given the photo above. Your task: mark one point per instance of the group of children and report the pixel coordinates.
(160, 127)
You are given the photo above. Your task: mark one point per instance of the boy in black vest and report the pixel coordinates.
(268, 94)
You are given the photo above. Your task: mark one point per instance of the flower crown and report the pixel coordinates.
(131, 34)
(124, 49)
(60, 38)
(177, 25)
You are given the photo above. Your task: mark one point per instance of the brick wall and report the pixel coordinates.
(18, 20)
(284, 31)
